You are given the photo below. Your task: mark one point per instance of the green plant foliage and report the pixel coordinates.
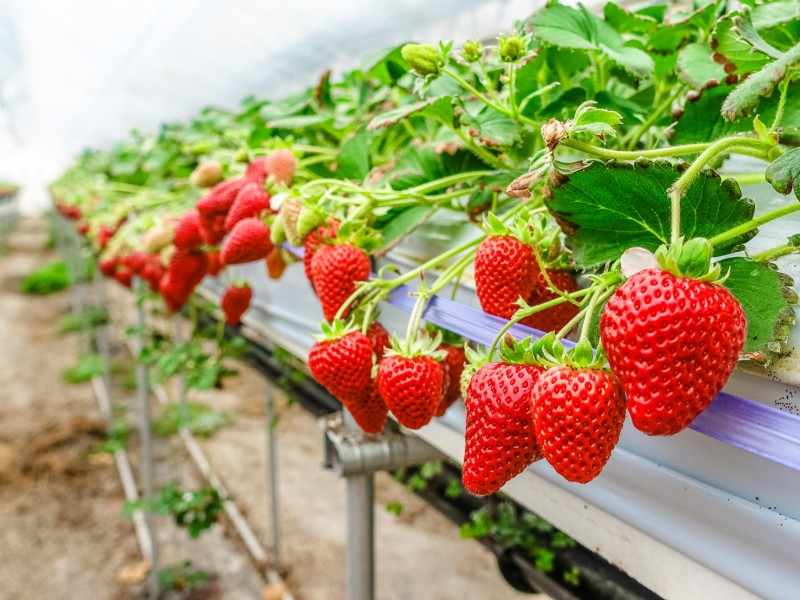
(181, 578)
(194, 510)
(88, 366)
(194, 416)
(91, 317)
(51, 278)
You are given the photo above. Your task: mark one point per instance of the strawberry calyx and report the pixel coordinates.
(448, 337)
(548, 352)
(690, 260)
(357, 234)
(335, 329)
(422, 344)
(474, 361)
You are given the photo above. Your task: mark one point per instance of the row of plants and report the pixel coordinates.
(581, 148)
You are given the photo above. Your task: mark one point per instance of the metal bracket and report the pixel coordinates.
(349, 453)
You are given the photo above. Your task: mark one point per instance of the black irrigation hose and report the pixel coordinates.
(598, 579)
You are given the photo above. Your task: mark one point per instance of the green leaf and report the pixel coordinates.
(567, 27)
(299, 121)
(403, 222)
(669, 37)
(747, 95)
(784, 173)
(771, 14)
(766, 299)
(697, 67)
(354, 156)
(607, 208)
(492, 128)
(628, 22)
(702, 119)
(439, 108)
(733, 52)
(598, 121)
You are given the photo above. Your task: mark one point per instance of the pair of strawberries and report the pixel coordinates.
(671, 342)
(413, 388)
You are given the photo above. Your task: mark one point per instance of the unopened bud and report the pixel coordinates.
(472, 51)
(424, 59)
(511, 47)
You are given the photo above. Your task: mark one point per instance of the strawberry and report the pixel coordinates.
(82, 228)
(288, 213)
(159, 236)
(500, 441)
(673, 342)
(321, 235)
(371, 413)
(379, 338)
(173, 296)
(206, 174)
(341, 359)
(556, 317)
(248, 241)
(280, 165)
(276, 263)
(578, 416)
(505, 271)
(153, 271)
(124, 275)
(135, 261)
(104, 235)
(454, 360)
(215, 265)
(108, 266)
(257, 171)
(212, 228)
(221, 197)
(235, 302)
(251, 201)
(410, 380)
(186, 270)
(187, 232)
(337, 270)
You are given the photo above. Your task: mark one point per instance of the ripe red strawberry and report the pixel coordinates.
(341, 360)
(249, 240)
(552, 319)
(108, 266)
(221, 197)
(186, 270)
(379, 338)
(251, 201)
(124, 275)
(104, 235)
(505, 271)
(500, 439)
(257, 171)
(235, 302)
(578, 416)
(153, 271)
(281, 165)
(410, 380)
(454, 360)
(215, 265)
(173, 296)
(135, 261)
(673, 342)
(212, 228)
(370, 413)
(337, 269)
(82, 228)
(187, 233)
(321, 235)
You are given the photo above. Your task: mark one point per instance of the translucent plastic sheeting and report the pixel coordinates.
(82, 73)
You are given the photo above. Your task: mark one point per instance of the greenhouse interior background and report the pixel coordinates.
(360, 300)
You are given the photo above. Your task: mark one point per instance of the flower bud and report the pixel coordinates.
(424, 59)
(472, 51)
(511, 47)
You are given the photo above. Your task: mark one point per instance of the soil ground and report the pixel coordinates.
(61, 525)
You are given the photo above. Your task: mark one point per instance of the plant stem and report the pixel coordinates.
(635, 136)
(472, 90)
(752, 224)
(781, 104)
(776, 252)
(722, 146)
(597, 297)
(633, 155)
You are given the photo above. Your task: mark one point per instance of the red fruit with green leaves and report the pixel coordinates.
(556, 317)
(249, 240)
(337, 270)
(500, 441)
(256, 171)
(185, 271)
(379, 338)
(341, 359)
(505, 271)
(187, 232)
(673, 342)
(212, 228)
(221, 197)
(370, 413)
(320, 236)
(251, 201)
(235, 302)
(455, 360)
(578, 417)
(410, 380)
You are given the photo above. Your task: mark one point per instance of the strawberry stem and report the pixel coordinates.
(777, 252)
(754, 223)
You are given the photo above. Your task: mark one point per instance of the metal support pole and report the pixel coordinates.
(99, 288)
(360, 530)
(145, 437)
(272, 475)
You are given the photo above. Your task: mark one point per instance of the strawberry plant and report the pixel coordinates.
(586, 169)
